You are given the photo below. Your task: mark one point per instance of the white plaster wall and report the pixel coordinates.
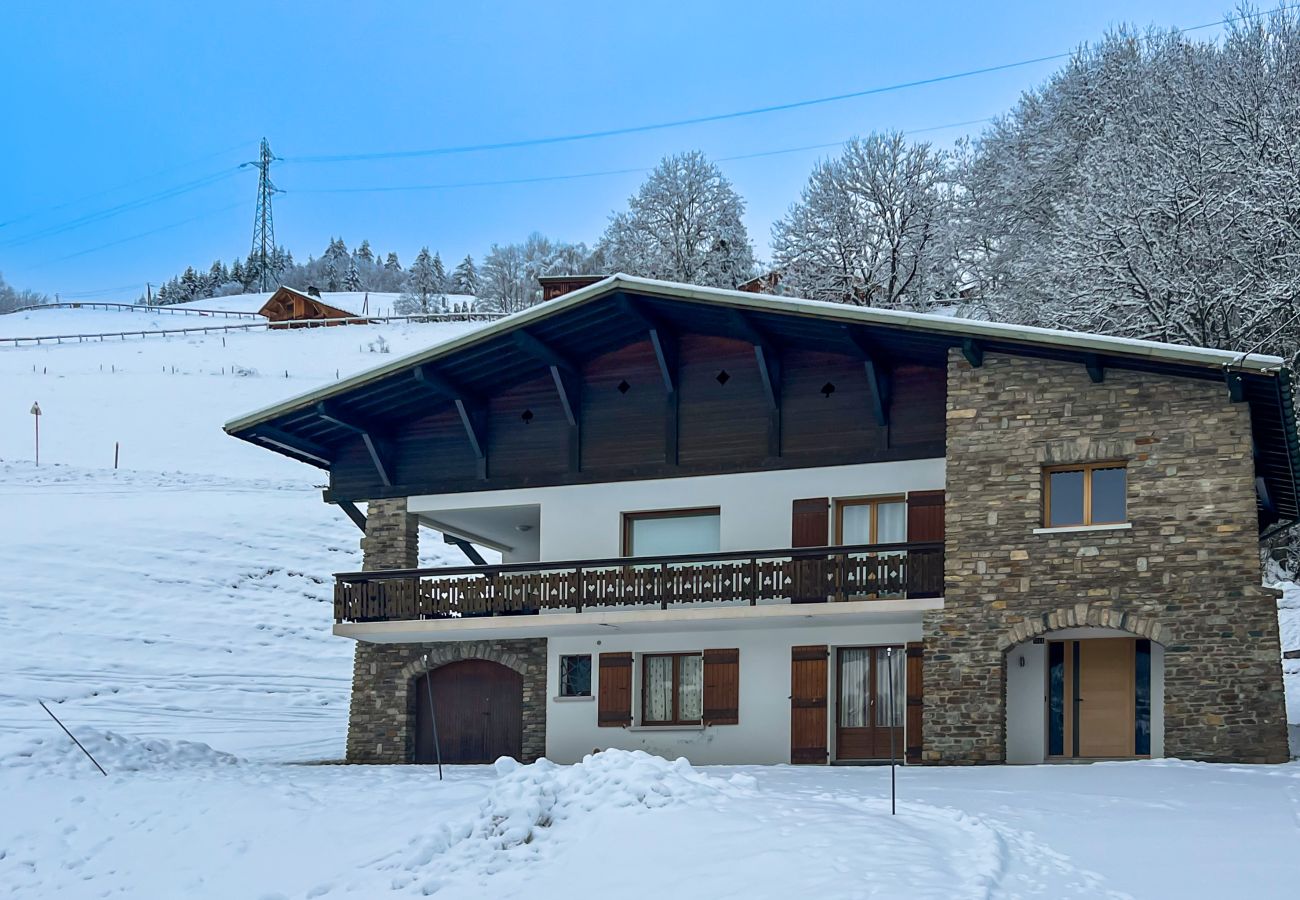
(585, 521)
(763, 733)
(1027, 695)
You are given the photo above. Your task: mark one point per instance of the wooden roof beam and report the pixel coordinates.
(1096, 368)
(663, 339)
(878, 376)
(375, 445)
(543, 352)
(472, 410)
(767, 353)
(299, 446)
(973, 350)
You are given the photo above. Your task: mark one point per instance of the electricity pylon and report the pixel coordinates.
(263, 223)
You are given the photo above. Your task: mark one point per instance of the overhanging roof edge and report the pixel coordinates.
(956, 327)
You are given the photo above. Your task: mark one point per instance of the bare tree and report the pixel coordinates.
(683, 224)
(870, 227)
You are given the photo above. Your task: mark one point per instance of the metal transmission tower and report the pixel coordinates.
(263, 223)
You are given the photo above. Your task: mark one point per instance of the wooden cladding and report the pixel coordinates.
(915, 701)
(809, 669)
(722, 687)
(614, 691)
(731, 408)
(813, 575)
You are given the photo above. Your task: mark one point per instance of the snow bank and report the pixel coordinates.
(56, 754)
(530, 803)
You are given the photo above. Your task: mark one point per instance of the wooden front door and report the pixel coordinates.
(478, 706)
(868, 714)
(808, 678)
(1092, 706)
(1106, 697)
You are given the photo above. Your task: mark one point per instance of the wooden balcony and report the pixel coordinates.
(805, 575)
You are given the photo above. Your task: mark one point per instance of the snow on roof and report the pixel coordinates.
(936, 324)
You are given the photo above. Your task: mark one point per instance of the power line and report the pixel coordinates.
(602, 173)
(110, 212)
(126, 184)
(134, 237)
(735, 114)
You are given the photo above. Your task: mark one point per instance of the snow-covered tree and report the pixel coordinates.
(439, 274)
(683, 224)
(11, 298)
(1150, 189)
(421, 293)
(869, 227)
(464, 279)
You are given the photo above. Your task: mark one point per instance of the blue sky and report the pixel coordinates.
(151, 106)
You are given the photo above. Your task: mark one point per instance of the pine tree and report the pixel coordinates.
(364, 254)
(391, 264)
(439, 274)
(421, 285)
(464, 280)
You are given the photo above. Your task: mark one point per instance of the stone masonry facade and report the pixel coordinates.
(1186, 573)
(381, 719)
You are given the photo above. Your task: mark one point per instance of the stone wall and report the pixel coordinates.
(381, 717)
(381, 728)
(1185, 574)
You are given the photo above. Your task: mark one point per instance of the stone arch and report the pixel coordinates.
(441, 654)
(526, 656)
(1083, 614)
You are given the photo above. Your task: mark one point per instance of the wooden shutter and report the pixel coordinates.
(614, 704)
(915, 700)
(811, 523)
(721, 687)
(925, 516)
(808, 723)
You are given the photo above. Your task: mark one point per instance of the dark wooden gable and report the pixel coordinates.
(623, 383)
(643, 392)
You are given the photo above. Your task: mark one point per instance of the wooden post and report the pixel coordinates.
(117, 446)
(36, 414)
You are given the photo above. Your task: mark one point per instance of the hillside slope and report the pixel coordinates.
(187, 594)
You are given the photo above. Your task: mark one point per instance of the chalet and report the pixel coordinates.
(291, 308)
(751, 529)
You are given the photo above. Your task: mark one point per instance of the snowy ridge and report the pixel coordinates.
(54, 753)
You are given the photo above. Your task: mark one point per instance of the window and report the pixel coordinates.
(672, 532)
(672, 689)
(575, 675)
(871, 520)
(1084, 495)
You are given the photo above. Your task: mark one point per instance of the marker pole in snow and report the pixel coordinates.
(74, 739)
(36, 414)
(893, 793)
(433, 720)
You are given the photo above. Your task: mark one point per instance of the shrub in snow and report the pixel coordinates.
(54, 753)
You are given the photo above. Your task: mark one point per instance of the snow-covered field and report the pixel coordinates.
(175, 613)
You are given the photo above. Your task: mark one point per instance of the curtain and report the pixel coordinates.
(855, 523)
(891, 523)
(690, 698)
(884, 663)
(855, 671)
(658, 689)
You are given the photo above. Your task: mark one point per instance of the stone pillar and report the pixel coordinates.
(1186, 571)
(381, 718)
(377, 714)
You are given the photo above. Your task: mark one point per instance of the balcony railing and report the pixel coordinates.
(805, 575)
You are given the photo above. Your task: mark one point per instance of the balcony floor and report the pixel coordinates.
(641, 621)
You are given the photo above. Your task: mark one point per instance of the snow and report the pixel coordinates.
(175, 614)
(630, 826)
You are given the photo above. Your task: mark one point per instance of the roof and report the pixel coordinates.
(596, 318)
(317, 307)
